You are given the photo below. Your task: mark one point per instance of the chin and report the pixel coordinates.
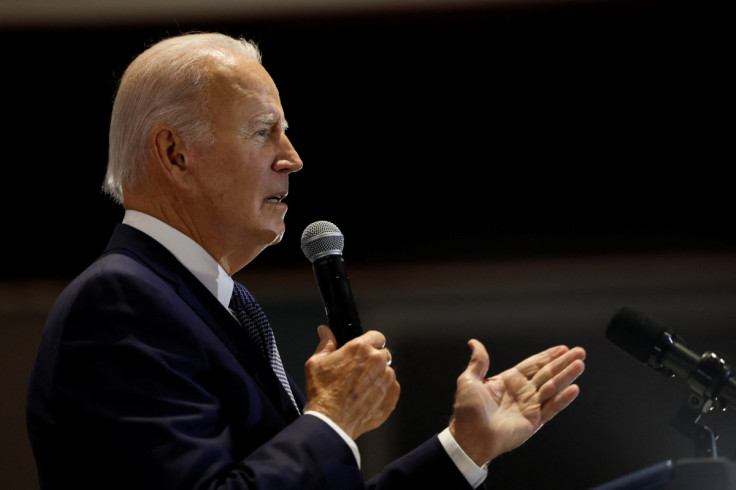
(274, 235)
(277, 239)
(268, 233)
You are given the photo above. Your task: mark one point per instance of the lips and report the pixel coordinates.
(277, 198)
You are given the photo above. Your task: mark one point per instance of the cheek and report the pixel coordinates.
(222, 173)
(230, 178)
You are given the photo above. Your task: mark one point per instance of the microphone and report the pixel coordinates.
(322, 243)
(708, 375)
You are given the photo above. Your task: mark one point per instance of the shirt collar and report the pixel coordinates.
(187, 251)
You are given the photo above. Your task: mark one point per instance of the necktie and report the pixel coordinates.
(255, 323)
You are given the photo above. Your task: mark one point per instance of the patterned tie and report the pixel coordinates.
(254, 320)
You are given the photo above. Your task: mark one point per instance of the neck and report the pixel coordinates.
(231, 257)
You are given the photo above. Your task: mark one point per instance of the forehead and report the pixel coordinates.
(242, 81)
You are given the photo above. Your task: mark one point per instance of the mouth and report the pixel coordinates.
(276, 198)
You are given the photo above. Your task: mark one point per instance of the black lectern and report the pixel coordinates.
(680, 474)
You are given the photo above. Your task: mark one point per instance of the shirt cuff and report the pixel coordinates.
(474, 474)
(351, 443)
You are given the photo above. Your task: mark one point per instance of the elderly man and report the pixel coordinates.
(157, 371)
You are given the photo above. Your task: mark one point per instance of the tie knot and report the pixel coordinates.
(251, 317)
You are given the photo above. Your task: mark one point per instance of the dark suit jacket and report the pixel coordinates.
(144, 381)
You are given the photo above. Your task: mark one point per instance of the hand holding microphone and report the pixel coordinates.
(322, 243)
(354, 386)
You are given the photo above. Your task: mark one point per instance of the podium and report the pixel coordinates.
(680, 474)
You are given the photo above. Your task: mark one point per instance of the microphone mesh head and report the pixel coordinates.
(634, 333)
(320, 239)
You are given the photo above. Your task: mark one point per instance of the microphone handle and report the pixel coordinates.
(337, 296)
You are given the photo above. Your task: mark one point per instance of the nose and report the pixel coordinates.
(288, 159)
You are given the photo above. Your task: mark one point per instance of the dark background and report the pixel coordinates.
(476, 133)
(572, 131)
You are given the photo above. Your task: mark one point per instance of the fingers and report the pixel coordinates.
(378, 341)
(378, 376)
(559, 403)
(531, 365)
(377, 386)
(374, 338)
(370, 351)
(479, 361)
(544, 366)
(554, 382)
(561, 380)
(353, 385)
(556, 366)
(551, 373)
(327, 341)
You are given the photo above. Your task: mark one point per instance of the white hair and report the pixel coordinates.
(166, 84)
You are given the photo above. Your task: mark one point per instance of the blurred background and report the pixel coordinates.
(513, 171)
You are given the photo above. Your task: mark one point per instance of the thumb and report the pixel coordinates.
(479, 360)
(327, 340)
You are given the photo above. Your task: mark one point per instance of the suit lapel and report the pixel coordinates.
(126, 239)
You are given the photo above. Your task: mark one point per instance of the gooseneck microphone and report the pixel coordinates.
(651, 343)
(322, 244)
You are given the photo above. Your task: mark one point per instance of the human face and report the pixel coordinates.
(242, 177)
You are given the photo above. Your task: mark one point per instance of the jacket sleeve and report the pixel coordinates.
(426, 467)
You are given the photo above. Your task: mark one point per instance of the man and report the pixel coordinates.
(156, 371)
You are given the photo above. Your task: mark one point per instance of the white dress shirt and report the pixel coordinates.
(210, 273)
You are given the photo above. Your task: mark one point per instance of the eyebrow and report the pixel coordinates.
(270, 120)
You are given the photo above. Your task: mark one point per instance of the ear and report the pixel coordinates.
(171, 154)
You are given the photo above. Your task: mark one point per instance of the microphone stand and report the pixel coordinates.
(686, 421)
(706, 470)
(705, 382)
(711, 385)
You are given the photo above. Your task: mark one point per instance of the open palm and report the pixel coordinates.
(495, 415)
